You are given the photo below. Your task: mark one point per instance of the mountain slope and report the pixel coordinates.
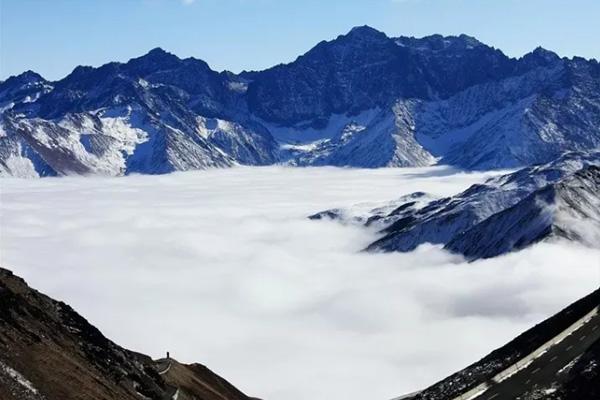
(568, 209)
(572, 361)
(50, 352)
(452, 97)
(505, 213)
(365, 69)
(362, 99)
(153, 114)
(17, 157)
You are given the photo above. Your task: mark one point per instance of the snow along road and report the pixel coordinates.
(542, 372)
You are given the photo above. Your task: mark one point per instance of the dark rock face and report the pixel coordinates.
(50, 352)
(25, 87)
(365, 69)
(157, 80)
(361, 70)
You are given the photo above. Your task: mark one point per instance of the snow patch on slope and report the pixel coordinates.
(303, 133)
(18, 377)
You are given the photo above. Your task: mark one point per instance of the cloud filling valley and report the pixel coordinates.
(222, 267)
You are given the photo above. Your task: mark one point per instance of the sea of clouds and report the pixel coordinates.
(222, 267)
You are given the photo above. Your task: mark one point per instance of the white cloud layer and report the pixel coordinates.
(223, 268)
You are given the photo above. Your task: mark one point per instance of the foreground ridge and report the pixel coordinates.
(557, 359)
(49, 352)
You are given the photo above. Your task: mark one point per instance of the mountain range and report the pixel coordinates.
(362, 99)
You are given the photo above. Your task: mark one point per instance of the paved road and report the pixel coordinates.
(543, 370)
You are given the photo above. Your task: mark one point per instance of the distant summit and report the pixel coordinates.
(363, 32)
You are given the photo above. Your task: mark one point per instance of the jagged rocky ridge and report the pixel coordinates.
(560, 199)
(49, 352)
(363, 100)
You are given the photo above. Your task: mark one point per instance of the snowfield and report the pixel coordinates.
(223, 267)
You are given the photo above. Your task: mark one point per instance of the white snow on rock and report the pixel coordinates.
(18, 377)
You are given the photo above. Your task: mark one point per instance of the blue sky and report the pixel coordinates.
(53, 36)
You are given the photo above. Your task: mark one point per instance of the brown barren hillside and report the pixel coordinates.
(48, 351)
